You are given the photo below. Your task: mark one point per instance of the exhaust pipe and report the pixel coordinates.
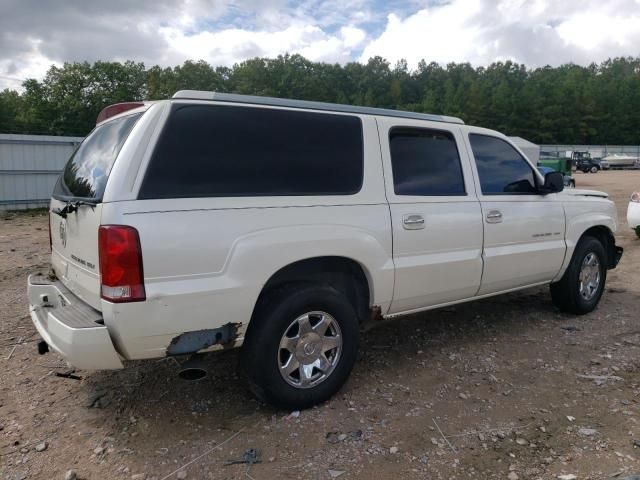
(193, 369)
(43, 347)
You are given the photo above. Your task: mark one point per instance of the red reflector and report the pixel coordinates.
(115, 109)
(122, 279)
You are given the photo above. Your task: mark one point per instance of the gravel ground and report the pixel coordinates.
(502, 388)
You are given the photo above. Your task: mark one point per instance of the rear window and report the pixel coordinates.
(87, 171)
(230, 151)
(425, 163)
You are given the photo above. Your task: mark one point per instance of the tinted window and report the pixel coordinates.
(216, 151)
(425, 162)
(501, 168)
(87, 171)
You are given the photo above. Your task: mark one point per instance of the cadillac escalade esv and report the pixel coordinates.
(210, 220)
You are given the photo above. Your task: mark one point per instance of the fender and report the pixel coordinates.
(580, 217)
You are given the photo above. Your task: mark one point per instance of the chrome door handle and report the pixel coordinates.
(413, 222)
(494, 216)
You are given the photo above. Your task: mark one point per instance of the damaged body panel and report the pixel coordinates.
(192, 342)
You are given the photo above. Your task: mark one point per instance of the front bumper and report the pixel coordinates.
(69, 326)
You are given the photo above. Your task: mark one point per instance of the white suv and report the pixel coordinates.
(210, 221)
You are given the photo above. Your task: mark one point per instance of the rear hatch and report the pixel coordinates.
(76, 208)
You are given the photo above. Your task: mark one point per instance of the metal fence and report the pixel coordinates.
(604, 150)
(29, 167)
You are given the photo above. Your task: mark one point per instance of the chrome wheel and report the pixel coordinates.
(589, 277)
(309, 349)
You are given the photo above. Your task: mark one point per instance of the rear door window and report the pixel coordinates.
(232, 151)
(87, 171)
(501, 168)
(425, 162)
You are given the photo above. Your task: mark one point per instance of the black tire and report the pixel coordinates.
(594, 169)
(566, 292)
(261, 349)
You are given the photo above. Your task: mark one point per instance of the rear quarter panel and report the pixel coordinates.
(206, 260)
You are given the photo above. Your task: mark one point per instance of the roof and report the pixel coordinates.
(331, 107)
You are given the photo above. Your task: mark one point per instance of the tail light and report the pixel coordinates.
(115, 109)
(122, 278)
(635, 197)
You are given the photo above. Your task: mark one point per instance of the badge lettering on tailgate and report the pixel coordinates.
(92, 266)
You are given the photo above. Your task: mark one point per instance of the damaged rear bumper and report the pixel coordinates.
(69, 326)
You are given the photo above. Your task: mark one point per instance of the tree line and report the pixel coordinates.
(596, 104)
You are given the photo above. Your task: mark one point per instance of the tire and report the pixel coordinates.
(282, 314)
(566, 293)
(594, 169)
(572, 184)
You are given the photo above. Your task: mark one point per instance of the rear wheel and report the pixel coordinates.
(302, 346)
(594, 169)
(580, 288)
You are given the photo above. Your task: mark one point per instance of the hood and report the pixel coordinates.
(577, 192)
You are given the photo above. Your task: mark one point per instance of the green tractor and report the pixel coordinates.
(562, 165)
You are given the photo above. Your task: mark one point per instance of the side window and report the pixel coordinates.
(425, 162)
(501, 168)
(233, 151)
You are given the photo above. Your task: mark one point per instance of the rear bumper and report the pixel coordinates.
(69, 326)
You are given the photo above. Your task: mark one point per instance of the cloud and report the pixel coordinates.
(536, 32)
(231, 45)
(37, 33)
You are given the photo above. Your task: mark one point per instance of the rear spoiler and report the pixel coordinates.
(117, 108)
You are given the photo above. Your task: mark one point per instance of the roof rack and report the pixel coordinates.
(332, 107)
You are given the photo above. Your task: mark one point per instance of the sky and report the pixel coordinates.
(34, 34)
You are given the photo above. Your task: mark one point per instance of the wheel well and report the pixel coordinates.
(607, 239)
(343, 274)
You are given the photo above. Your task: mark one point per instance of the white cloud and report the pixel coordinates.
(37, 33)
(536, 33)
(232, 45)
(352, 36)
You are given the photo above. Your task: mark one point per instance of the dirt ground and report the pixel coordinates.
(490, 389)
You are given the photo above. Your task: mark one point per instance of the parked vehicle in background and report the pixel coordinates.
(633, 212)
(568, 180)
(619, 160)
(563, 165)
(604, 164)
(585, 163)
(209, 221)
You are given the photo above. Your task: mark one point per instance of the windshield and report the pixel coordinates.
(87, 171)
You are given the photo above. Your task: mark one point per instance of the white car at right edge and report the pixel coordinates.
(633, 212)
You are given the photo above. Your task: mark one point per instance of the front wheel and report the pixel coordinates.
(302, 346)
(594, 169)
(580, 288)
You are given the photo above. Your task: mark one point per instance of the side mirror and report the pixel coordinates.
(553, 183)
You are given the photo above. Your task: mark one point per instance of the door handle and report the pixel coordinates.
(494, 216)
(413, 221)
